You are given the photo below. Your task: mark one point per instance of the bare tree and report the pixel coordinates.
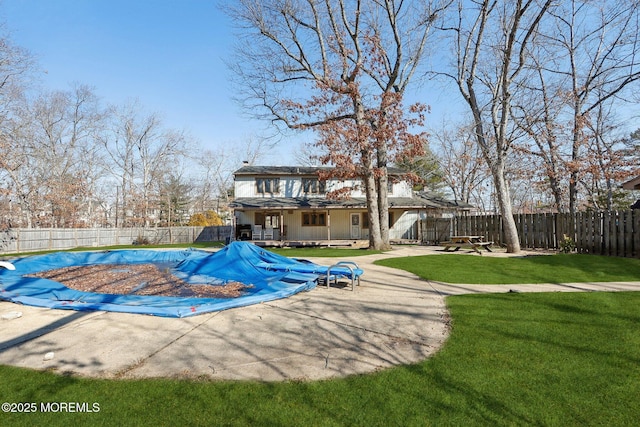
(306, 154)
(20, 182)
(605, 159)
(16, 72)
(463, 167)
(537, 114)
(587, 57)
(216, 168)
(492, 38)
(140, 150)
(68, 164)
(54, 165)
(309, 64)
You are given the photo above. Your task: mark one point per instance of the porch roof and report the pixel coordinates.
(420, 201)
(632, 184)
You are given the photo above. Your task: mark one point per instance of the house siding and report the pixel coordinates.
(405, 225)
(404, 205)
(339, 224)
(245, 186)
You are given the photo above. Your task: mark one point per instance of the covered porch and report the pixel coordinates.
(302, 226)
(295, 222)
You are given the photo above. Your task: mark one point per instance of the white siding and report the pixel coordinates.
(339, 220)
(402, 189)
(244, 187)
(296, 231)
(292, 187)
(405, 226)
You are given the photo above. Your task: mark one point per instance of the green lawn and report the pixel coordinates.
(561, 268)
(553, 359)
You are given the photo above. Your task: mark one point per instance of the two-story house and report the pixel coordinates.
(288, 205)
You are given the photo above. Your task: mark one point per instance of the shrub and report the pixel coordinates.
(205, 219)
(567, 245)
(141, 240)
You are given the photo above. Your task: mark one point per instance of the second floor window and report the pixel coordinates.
(313, 186)
(267, 185)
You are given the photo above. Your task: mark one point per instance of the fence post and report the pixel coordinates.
(495, 232)
(618, 240)
(548, 230)
(606, 233)
(581, 240)
(635, 214)
(628, 233)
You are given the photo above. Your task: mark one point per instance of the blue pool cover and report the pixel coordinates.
(271, 277)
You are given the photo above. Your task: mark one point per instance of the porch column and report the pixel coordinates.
(281, 225)
(234, 227)
(329, 225)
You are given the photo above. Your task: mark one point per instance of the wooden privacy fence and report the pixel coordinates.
(43, 239)
(615, 233)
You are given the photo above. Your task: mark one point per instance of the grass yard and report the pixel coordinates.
(555, 359)
(560, 268)
(552, 359)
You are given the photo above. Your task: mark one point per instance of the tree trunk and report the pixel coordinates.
(375, 238)
(383, 211)
(510, 230)
(369, 181)
(383, 196)
(575, 156)
(554, 184)
(497, 166)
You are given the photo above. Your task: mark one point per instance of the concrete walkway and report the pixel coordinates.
(392, 318)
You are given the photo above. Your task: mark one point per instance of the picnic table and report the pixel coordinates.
(474, 243)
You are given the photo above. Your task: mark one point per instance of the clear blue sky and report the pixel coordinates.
(167, 53)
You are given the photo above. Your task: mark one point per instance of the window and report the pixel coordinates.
(267, 185)
(313, 186)
(310, 219)
(365, 219)
(267, 219)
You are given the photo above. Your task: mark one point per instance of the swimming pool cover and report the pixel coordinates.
(237, 262)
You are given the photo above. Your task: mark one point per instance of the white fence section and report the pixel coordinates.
(45, 239)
